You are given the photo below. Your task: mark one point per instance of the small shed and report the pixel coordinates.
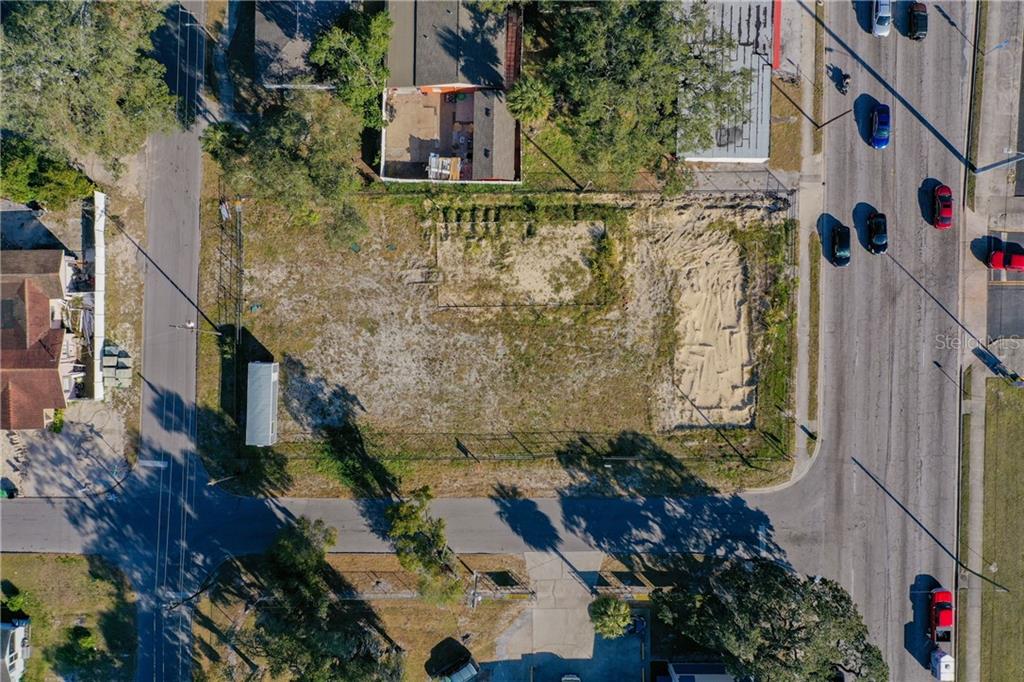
(261, 404)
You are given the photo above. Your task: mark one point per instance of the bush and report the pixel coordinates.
(32, 176)
(58, 421)
(610, 617)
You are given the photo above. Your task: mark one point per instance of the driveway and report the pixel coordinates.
(554, 636)
(86, 457)
(1006, 292)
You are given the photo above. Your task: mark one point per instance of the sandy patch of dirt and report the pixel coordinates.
(709, 378)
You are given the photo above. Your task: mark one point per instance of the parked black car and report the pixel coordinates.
(840, 245)
(878, 233)
(918, 21)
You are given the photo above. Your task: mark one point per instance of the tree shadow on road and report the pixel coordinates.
(605, 507)
(699, 520)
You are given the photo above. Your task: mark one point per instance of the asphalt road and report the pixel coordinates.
(169, 356)
(887, 482)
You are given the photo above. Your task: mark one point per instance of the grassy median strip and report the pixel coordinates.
(814, 322)
(964, 546)
(978, 92)
(1002, 619)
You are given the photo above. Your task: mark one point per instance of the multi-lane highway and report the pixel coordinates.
(883, 495)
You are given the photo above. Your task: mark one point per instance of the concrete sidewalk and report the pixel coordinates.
(799, 30)
(85, 458)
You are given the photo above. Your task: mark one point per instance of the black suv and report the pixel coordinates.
(918, 21)
(878, 234)
(840, 245)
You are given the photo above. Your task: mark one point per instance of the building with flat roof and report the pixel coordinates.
(261, 404)
(743, 140)
(284, 34)
(449, 65)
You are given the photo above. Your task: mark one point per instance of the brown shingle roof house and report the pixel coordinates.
(31, 337)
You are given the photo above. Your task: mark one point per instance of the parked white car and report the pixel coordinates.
(881, 18)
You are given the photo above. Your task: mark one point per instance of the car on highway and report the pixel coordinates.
(840, 245)
(942, 212)
(880, 126)
(881, 18)
(878, 233)
(1009, 257)
(941, 625)
(918, 21)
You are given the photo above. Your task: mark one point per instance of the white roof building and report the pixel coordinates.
(261, 404)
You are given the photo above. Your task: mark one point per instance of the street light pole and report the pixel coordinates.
(191, 326)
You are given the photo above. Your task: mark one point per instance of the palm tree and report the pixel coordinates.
(530, 100)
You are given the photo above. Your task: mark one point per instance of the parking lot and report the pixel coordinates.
(1006, 291)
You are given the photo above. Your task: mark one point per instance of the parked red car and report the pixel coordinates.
(1002, 259)
(942, 615)
(943, 211)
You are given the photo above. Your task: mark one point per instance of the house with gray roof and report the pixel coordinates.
(450, 65)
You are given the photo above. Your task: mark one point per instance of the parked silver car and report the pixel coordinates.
(881, 20)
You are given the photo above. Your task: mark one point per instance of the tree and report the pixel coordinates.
(610, 616)
(422, 548)
(77, 78)
(352, 56)
(30, 175)
(419, 539)
(493, 6)
(301, 629)
(530, 99)
(630, 76)
(772, 624)
(300, 156)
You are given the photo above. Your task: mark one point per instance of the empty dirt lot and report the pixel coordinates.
(454, 324)
(637, 323)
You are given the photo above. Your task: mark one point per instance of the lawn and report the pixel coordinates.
(1002, 620)
(83, 616)
(787, 122)
(415, 625)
